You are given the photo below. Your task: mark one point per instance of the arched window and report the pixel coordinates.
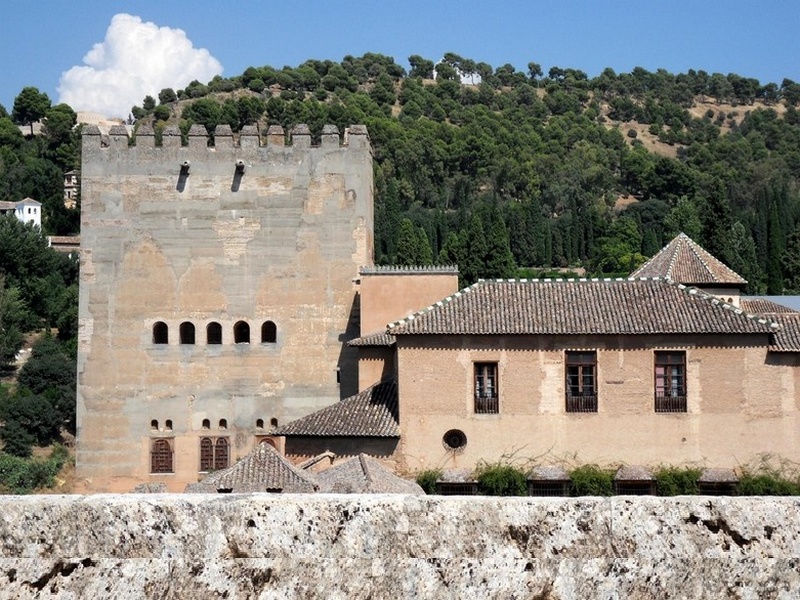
(187, 332)
(241, 333)
(221, 454)
(161, 456)
(223, 423)
(206, 454)
(259, 423)
(168, 425)
(273, 421)
(206, 424)
(214, 333)
(160, 333)
(269, 333)
(154, 424)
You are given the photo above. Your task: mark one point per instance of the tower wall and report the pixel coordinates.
(230, 234)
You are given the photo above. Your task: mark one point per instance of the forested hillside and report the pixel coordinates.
(505, 171)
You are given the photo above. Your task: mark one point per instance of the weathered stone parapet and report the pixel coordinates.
(325, 546)
(408, 270)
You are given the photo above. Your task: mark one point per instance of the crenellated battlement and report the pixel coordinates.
(248, 144)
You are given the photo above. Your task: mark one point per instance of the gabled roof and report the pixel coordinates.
(370, 413)
(685, 261)
(363, 474)
(787, 338)
(580, 307)
(764, 306)
(261, 470)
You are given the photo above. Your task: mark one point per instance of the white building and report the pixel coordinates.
(27, 210)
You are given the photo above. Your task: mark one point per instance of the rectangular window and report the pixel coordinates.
(486, 396)
(670, 377)
(581, 381)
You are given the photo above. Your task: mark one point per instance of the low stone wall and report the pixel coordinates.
(352, 547)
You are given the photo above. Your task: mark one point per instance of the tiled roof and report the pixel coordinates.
(762, 306)
(684, 261)
(264, 468)
(374, 339)
(718, 476)
(787, 338)
(580, 307)
(633, 473)
(548, 473)
(363, 474)
(370, 413)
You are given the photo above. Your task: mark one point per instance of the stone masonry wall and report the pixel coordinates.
(237, 232)
(359, 547)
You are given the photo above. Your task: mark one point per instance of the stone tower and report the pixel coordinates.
(217, 294)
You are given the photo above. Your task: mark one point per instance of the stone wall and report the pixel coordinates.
(354, 547)
(193, 236)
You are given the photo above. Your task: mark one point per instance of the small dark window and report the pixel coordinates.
(241, 333)
(223, 423)
(168, 424)
(460, 488)
(206, 424)
(269, 333)
(670, 378)
(259, 423)
(161, 456)
(548, 488)
(273, 421)
(213, 333)
(186, 332)
(454, 440)
(581, 381)
(486, 396)
(154, 424)
(160, 333)
(635, 488)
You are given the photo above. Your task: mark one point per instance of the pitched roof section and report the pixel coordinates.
(580, 307)
(363, 474)
(787, 338)
(685, 261)
(374, 339)
(261, 470)
(763, 306)
(370, 413)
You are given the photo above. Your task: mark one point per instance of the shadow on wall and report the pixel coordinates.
(347, 365)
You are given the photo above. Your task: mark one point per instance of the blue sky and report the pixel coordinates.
(43, 40)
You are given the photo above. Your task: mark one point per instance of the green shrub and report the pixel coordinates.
(22, 475)
(591, 480)
(676, 481)
(427, 480)
(501, 480)
(766, 484)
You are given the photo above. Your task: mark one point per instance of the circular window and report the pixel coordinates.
(455, 440)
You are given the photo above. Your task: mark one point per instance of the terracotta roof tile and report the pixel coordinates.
(787, 338)
(370, 413)
(363, 474)
(762, 306)
(374, 339)
(580, 307)
(264, 468)
(685, 261)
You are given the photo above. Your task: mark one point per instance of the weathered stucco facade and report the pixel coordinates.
(741, 401)
(218, 292)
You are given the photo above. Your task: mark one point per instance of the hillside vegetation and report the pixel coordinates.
(509, 173)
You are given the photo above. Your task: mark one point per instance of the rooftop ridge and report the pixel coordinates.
(407, 269)
(719, 302)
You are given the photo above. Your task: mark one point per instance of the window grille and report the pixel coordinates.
(581, 385)
(486, 389)
(161, 456)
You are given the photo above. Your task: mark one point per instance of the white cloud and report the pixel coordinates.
(134, 60)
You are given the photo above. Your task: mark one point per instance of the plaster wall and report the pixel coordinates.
(280, 241)
(741, 402)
